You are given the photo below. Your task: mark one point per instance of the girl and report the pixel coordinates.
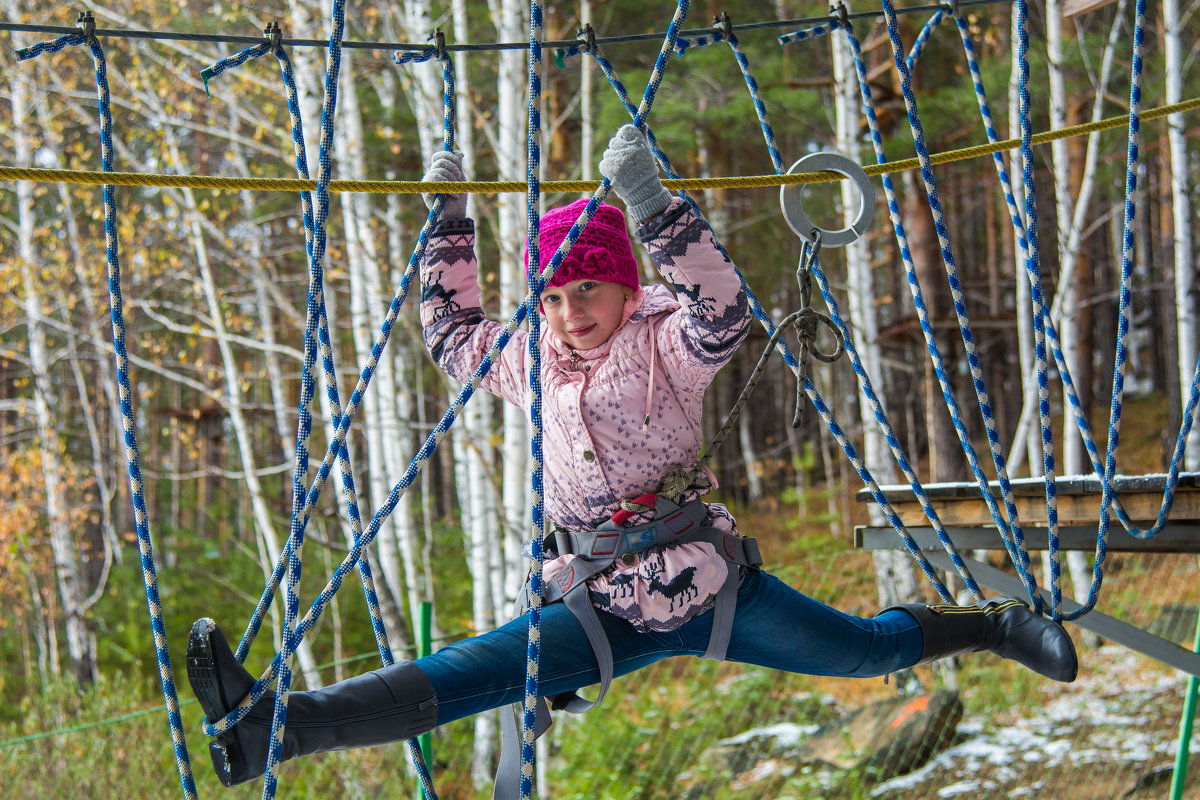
(624, 369)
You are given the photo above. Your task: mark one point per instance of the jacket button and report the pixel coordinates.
(589, 456)
(628, 559)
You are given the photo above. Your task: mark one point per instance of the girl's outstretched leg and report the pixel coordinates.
(779, 627)
(388, 705)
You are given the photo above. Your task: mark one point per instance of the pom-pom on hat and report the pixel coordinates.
(602, 252)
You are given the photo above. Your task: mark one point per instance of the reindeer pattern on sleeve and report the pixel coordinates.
(684, 250)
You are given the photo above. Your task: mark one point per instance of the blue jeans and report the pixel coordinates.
(775, 626)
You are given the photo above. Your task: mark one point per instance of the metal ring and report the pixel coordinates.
(791, 198)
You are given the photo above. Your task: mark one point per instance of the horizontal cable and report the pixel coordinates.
(60, 30)
(500, 187)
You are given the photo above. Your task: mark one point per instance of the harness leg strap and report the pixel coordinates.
(723, 612)
(508, 771)
(580, 604)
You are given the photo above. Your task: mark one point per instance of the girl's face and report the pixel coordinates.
(584, 313)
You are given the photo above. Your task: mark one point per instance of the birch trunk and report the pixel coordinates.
(511, 89)
(377, 414)
(486, 532)
(107, 479)
(308, 20)
(893, 569)
(80, 646)
(1185, 272)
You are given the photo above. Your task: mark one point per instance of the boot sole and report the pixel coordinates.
(202, 672)
(202, 675)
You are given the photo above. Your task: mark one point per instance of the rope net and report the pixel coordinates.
(315, 204)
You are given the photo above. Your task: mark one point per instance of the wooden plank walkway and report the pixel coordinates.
(971, 527)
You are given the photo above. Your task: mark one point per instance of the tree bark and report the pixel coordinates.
(1187, 292)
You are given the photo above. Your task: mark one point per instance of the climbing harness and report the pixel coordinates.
(598, 550)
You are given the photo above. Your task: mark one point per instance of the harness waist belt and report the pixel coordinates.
(610, 541)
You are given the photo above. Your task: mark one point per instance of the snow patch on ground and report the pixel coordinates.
(1093, 721)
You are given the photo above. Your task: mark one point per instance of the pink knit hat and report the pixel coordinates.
(602, 252)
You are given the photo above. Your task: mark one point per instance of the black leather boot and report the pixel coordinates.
(388, 705)
(1005, 626)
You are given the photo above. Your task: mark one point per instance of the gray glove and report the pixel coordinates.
(446, 165)
(629, 164)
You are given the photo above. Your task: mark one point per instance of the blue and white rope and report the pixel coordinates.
(1014, 538)
(537, 499)
(868, 392)
(166, 674)
(1121, 355)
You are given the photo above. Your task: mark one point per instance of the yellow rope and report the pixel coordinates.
(496, 187)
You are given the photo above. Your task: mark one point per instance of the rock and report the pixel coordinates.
(887, 738)
(883, 739)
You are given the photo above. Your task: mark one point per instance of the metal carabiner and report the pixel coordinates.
(439, 44)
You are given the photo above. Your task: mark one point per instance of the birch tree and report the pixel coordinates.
(1185, 272)
(511, 23)
(378, 410)
(894, 576)
(81, 646)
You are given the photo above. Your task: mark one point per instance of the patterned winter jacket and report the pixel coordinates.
(598, 446)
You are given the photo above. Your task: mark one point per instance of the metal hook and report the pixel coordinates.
(723, 22)
(274, 35)
(87, 26)
(588, 34)
(439, 44)
(804, 269)
(791, 198)
(838, 9)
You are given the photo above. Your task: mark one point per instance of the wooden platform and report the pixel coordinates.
(961, 509)
(971, 527)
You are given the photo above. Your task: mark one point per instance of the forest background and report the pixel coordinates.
(215, 288)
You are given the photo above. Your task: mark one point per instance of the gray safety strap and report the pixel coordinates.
(580, 604)
(508, 772)
(610, 541)
(723, 612)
